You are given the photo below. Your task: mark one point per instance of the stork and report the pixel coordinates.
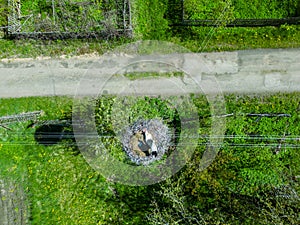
(150, 141)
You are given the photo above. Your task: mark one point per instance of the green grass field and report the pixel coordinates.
(63, 189)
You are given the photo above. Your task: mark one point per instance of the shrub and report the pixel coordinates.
(148, 19)
(3, 13)
(246, 183)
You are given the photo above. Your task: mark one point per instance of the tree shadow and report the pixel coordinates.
(53, 132)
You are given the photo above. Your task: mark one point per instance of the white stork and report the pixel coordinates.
(150, 141)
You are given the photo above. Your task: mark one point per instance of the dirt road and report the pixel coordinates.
(252, 71)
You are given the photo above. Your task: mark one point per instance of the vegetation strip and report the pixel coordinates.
(242, 22)
(253, 180)
(151, 21)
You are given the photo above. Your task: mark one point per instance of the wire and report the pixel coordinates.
(177, 134)
(273, 145)
(271, 141)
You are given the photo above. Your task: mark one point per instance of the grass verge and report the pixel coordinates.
(203, 39)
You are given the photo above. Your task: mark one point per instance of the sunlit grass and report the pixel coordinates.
(63, 188)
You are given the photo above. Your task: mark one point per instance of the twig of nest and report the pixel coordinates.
(146, 141)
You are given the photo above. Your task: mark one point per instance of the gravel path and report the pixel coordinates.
(263, 70)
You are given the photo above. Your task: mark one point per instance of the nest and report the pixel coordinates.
(142, 151)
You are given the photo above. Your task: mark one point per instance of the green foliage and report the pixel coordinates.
(61, 187)
(221, 38)
(222, 11)
(151, 21)
(113, 115)
(265, 9)
(58, 16)
(228, 39)
(138, 75)
(230, 9)
(148, 19)
(244, 183)
(3, 13)
(251, 181)
(196, 39)
(39, 48)
(110, 109)
(204, 9)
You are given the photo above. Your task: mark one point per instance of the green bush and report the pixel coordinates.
(204, 9)
(265, 9)
(246, 184)
(49, 16)
(223, 11)
(256, 9)
(148, 19)
(3, 13)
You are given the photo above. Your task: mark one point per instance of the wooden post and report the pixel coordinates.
(14, 16)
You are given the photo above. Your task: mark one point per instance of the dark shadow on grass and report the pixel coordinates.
(53, 132)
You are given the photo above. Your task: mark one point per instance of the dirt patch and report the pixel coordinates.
(94, 55)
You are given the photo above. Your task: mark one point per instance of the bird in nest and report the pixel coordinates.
(150, 142)
(143, 144)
